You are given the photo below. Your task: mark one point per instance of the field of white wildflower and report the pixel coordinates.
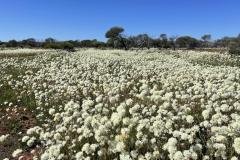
(113, 104)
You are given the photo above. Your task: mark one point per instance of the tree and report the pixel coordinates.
(140, 41)
(86, 43)
(75, 43)
(51, 43)
(12, 43)
(164, 40)
(67, 46)
(30, 42)
(187, 42)
(2, 45)
(206, 38)
(172, 42)
(163, 36)
(115, 33)
(50, 40)
(144, 41)
(110, 43)
(224, 42)
(156, 43)
(234, 47)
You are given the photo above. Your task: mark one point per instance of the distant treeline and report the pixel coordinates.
(116, 39)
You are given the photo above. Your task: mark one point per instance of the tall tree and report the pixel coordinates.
(172, 41)
(206, 38)
(164, 40)
(140, 41)
(115, 33)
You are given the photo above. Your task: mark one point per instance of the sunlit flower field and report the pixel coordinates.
(114, 104)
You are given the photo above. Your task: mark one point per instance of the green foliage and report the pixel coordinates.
(30, 42)
(52, 45)
(12, 95)
(187, 42)
(116, 39)
(92, 43)
(206, 37)
(67, 46)
(164, 41)
(50, 40)
(12, 43)
(234, 47)
(163, 36)
(110, 43)
(59, 45)
(114, 32)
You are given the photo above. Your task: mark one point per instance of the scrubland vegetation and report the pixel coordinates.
(117, 39)
(115, 104)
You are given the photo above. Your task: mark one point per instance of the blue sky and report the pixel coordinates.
(89, 19)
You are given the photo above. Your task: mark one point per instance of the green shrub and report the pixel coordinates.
(60, 45)
(67, 46)
(234, 48)
(52, 45)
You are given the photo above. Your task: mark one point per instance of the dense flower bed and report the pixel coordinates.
(114, 104)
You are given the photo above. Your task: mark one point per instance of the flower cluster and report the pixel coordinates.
(3, 138)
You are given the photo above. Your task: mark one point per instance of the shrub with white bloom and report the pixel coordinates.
(120, 146)
(236, 145)
(125, 157)
(45, 156)
(3, 138)
(17, 152)
(99, 99)
(171, 147)
(57, 117)
(86, 148)
(234, 158)
(129, 102)
(34, 130)
(205, 114)
(178, 156)
(51, 111)
(31, 141)
(79, 156)
(189, 119)
(116, 118)
(25, 138)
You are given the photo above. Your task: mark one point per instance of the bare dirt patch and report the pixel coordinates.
(15, 121)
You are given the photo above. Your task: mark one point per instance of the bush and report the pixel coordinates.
(234, 48)
(60, 45)
(187, 42)
(67, 46)
(52, 45)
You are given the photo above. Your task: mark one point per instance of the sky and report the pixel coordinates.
(90, 19)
